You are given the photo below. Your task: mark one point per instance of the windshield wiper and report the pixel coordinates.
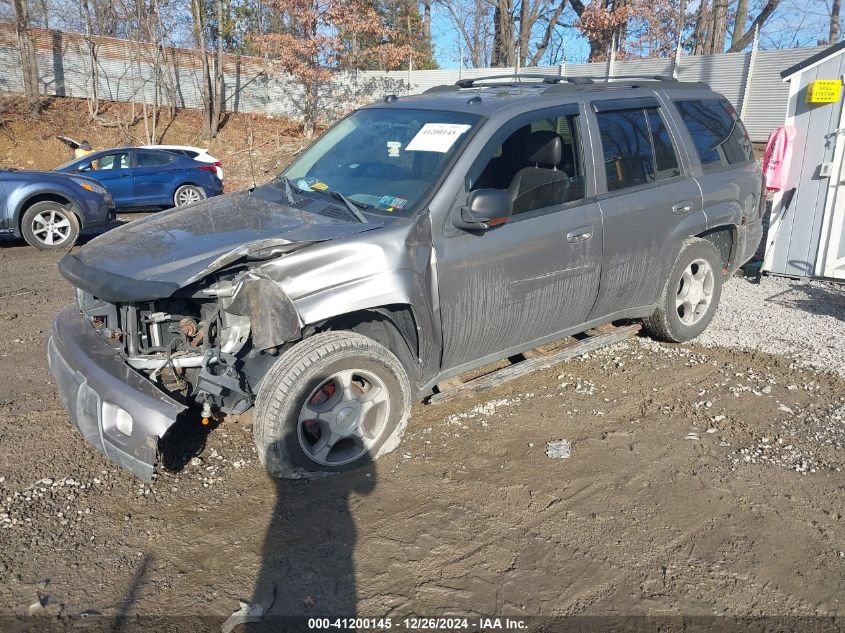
(289, 188)
(351, 205)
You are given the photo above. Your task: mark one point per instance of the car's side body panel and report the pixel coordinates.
(643, 226)
(21, 187)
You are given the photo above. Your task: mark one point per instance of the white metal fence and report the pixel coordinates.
(69, 65)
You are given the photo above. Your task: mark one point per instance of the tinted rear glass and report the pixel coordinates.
(717, 133)
(154, 159)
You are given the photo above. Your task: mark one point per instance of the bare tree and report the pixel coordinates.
(835, 27)
(217, 106)
(93, 96)
(29, 61)
(209, 123)
(503, 53)
(473, 20)
(741, 43)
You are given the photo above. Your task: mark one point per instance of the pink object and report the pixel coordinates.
(778, 157)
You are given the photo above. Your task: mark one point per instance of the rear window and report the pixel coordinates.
(717, 133)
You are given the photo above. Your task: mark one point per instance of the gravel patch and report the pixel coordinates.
(801, 320)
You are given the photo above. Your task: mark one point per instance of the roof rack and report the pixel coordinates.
(551, 81)
(627, 77)
(516, 77)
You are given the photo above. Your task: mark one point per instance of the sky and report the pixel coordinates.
(795, 23)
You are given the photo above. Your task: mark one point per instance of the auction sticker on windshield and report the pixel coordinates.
(436, 137)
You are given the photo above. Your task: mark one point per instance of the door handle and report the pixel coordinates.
(579, 235)
(682, 208)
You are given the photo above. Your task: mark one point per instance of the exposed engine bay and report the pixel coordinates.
(190, 346)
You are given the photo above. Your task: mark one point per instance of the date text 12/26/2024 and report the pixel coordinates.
(418, 624)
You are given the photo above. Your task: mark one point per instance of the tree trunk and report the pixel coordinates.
(741, 43)
(426, 21)
(543, 44)
(524, 33)
(701, 29)
(719, 28)
(206, 86)
(29, 61)
(835, 27)
(94, 95)
(217, 109)
(740, 19)
(503, 53)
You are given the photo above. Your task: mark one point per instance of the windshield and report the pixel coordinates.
(384, 160)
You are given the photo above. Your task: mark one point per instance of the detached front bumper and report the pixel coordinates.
(117, 410)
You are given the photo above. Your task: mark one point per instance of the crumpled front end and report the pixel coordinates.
(116, 409)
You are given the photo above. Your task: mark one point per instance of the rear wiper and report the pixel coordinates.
(352, 206)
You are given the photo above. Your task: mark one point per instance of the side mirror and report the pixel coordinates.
(485, 209)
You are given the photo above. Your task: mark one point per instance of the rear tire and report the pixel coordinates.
(329, 404)
(188, 194)
(50, 226)
(690, 296)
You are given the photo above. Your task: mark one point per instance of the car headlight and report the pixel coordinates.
(91, 186)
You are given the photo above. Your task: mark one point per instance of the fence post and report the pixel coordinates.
(745, 93)
(611, 62)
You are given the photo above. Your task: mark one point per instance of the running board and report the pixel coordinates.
(535, 360)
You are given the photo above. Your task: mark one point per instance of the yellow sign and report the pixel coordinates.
(824, 91)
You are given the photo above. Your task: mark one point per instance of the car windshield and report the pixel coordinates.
(384, 160)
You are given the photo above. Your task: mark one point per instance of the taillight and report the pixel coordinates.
(208, 168)
(217, 163)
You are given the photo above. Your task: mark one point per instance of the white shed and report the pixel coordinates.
(806, 235)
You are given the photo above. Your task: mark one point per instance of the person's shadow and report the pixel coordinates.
(308, 566)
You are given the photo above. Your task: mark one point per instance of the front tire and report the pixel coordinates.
(50, 226)
(188, 194)
(690, 296)
(329, 404)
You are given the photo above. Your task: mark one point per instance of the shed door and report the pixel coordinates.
(831, 257)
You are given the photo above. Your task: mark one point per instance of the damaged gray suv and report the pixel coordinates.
(418, 238)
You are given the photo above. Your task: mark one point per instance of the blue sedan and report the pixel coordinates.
(147, 178)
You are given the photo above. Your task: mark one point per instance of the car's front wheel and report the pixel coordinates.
(50, 226)
(690, 296)
(188, 194)
(331, 403)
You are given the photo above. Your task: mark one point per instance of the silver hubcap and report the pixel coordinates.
(343, 418)
(695, 291)
(51, 227)
(188, 195)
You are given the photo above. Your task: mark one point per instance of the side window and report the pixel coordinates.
(540, 165)
(111, 161)
(665, 158)
(626, 144)
(717, 133)
(154, 159)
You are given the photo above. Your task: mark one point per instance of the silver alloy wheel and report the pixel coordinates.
(343, 418)
(695, 291)
(188, 194)
(51, 227)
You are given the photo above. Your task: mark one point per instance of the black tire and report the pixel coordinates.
(50, 226)
(291, 383)
(667, 324)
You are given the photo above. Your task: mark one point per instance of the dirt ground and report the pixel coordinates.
(701, 482)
